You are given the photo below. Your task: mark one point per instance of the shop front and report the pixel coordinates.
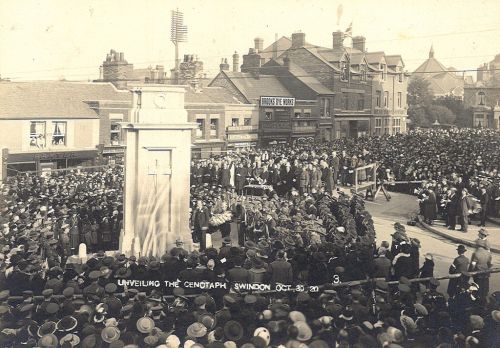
(352, 127)
(20, 162)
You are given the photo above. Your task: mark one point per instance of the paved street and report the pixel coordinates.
(398, 209)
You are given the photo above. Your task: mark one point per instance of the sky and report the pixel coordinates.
(53, 39)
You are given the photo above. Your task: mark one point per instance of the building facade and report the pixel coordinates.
(483, 103)
(224, 122)
(54, 125)
(338, 92)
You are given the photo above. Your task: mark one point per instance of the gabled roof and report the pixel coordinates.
(210, 95)
(55, 99)
(394, 60)
(310, 81)
(253, 88)
(375, 57)
(281, 45)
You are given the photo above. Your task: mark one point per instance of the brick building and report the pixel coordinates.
(55, 124)
(483, 102)
(224, 122)
(339, 91)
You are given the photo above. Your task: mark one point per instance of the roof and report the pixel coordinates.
(253, 88)
(374, 57)
(441, 81)
(282, 44)
(55, 99)
(308, 80)
(210, 95)
(394, 60)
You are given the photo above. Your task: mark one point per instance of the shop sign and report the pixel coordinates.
(277, 101)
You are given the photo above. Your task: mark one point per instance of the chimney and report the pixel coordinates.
(236, 61)
(259, 44)
(431, 52)
(122, 57)
(251, 62)
(223, 65)
(338, 40)
(358, 43)
(298, 40)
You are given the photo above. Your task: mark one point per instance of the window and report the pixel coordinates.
(235, 122)
(361, 102)
(387, 128)
(307, 114)
(297, 114)
(481, 98)
(396, 128)
(213, 128)
(400, 99)
(324, 107)
(378, 95)
(201, 126)
(383, 67)
(479, 120)
(37, 134)
(59, 133)
(345, 101)
(362, 70)
(268, 115)
(400, 74)
(386, 99)
(378, 126)
(344, 71)
(247, 121)
(116, 134)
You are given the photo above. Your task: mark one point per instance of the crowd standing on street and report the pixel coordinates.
(297, 234)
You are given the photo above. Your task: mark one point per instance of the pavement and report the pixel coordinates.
(467, 238)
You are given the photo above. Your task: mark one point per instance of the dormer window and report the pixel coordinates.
(362, 70)
(481, 97)
(383, 67)
(344, 72)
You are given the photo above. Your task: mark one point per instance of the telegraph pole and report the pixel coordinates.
(178, 33)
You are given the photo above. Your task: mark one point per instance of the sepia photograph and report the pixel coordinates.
(249, 174)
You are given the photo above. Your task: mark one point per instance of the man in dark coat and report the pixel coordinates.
(201, 217)
(452, 209)
(430, 207)
(241, 175)
(484, 201)
(225, 176)
(403, 263)
(460, 264)
(463, 211)
(280, 271)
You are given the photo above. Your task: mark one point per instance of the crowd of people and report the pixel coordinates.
(297, 235)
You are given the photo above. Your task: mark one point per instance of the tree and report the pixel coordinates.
(420, 98)
(419, 92)
(440, 113)
(456, 105)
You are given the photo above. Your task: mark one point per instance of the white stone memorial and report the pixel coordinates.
(157, 171)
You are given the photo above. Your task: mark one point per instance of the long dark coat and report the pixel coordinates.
(430, 207)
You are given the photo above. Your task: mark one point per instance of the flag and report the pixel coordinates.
(348, 31)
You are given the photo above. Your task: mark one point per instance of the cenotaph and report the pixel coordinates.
(157, 165)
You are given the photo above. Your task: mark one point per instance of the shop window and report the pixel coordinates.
(200, 129)
(59, 133)
(235, 122)
(116, 134)
(247, 121)
(37, 134)
(213, 127)
(269, 116)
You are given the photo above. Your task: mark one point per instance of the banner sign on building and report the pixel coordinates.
(277, 101)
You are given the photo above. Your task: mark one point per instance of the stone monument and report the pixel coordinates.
(157, 165)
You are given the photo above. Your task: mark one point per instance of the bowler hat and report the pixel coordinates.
(233, 330)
